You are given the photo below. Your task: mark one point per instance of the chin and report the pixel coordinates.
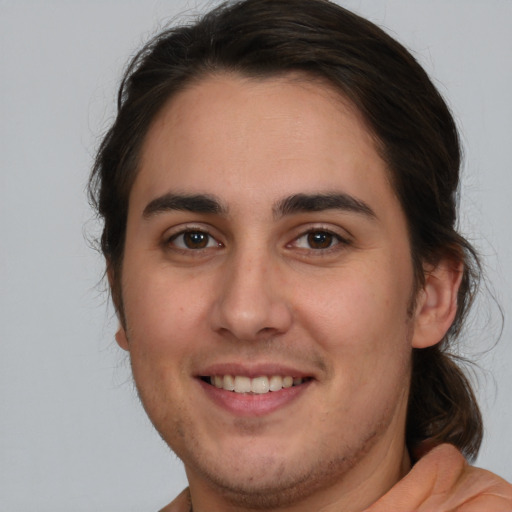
(279, 487)
(272, 480)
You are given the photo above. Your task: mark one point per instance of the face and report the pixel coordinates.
(266, 284)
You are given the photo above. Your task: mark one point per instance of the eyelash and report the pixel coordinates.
(192, 231)
(335, 241)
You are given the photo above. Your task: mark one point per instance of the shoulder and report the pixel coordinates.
(180, 504)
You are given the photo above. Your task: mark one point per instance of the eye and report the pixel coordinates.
(193, 239)
(318, 240)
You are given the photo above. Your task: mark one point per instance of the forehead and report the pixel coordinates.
(259, 140)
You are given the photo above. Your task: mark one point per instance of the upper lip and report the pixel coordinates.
(253, 370)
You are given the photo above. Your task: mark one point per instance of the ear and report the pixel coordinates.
(436, 303)
(114, 287)
(121, 338)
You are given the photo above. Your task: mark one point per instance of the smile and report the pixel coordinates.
(257, 385)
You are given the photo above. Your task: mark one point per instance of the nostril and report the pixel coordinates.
(267, 330)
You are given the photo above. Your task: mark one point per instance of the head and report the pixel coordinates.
(318, 46)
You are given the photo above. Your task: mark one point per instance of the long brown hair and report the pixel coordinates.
(413, 130)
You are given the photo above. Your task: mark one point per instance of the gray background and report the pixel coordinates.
(72, 434)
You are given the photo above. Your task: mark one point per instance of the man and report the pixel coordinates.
(278, 192)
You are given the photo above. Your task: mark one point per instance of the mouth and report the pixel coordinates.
(257, 386)
(254, 392)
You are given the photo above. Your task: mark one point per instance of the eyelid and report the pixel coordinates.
(342, 236)
(343, 240)
(171, 234)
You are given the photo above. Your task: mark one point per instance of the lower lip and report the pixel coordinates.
(248, 404)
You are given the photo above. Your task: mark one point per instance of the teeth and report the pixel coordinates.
(242, 384)
(275, 383)
(258, 385)
(229, 383)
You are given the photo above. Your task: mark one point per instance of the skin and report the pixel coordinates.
(442, 481)
(322, 294)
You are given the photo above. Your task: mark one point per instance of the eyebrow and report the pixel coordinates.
(195, 203)
(296, 203)
(303, 203)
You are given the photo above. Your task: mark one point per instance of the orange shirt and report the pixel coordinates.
(442, 481)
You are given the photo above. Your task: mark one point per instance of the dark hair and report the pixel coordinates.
(413, 130)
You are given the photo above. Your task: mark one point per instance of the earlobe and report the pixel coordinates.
(121, 338)
(436, 304)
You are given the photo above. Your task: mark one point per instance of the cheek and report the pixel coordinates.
(359, 318)
(358, 302)
(363, 328)
(164, 306)
(162, 319)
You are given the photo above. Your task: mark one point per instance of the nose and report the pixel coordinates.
(251, 302)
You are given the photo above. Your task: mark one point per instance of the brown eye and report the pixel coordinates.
(320, 240)
(194, 240)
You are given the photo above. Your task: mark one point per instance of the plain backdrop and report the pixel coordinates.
(72, 433)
